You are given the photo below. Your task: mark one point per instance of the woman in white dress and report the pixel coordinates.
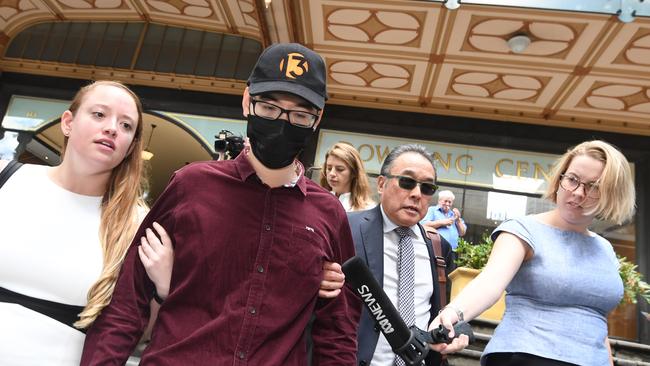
(66, 229)
(344, 175)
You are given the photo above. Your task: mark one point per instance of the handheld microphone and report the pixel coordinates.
(411, 344)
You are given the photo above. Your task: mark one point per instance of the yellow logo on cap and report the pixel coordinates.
(295, 65)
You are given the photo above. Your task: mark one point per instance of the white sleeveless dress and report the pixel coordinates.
(50, 250)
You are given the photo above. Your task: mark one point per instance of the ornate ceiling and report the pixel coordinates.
(580, 70)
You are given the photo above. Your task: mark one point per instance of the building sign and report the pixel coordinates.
(510, 170)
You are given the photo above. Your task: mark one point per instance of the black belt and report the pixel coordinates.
(64, 313)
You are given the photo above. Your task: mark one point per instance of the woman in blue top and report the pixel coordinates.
(561, 279)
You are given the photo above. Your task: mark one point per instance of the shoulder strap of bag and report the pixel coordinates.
(8, 171)
(441, 265)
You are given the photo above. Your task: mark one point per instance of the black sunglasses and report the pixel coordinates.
(408, 183)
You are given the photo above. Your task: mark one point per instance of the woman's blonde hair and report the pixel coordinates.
(359, 186)
(121, 209)
(616, 185)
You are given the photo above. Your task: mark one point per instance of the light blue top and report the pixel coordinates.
(557, 303)
(450, 233)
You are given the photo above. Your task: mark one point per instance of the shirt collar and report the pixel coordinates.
(245, 170)
(244, 166)
(343, 195)
(300, 179)
(439, 208)
(391, 226)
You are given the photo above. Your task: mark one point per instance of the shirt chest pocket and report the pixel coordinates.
(300, 259)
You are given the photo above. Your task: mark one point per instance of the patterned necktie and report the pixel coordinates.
(406, 277)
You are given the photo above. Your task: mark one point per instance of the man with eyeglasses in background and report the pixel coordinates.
(251, 236)
(399, 254)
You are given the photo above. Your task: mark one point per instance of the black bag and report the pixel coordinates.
(8, 171)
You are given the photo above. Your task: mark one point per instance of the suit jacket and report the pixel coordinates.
(368, 236)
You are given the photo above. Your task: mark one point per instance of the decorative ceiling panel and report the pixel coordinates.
(380, 26)
(581, 70)
(244, 16)
(350, 74)
(629, 50)
(72, 9)
(555, 38)
(66, 10)
(201, 14)
(602, 97)
(16, 13)
(509, 88)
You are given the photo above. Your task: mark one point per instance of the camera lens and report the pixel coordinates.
(220, 145)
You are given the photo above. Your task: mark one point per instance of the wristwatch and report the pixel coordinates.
(458, 311)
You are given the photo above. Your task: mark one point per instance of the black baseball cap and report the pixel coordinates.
(291, 68)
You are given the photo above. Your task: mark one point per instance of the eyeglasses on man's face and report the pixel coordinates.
(271, 111)
(571, 183)
(408, 183)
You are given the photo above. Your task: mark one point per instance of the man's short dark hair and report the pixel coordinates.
(403, 149)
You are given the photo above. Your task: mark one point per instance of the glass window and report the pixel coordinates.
(38, 36)
(128, 46)
(163, 49)
(169, 49)
(92, 40)
(73, 41)
(189, 52)
(55, 41)
(17, 45)
(150, 47)
(209, 54)
(228, 57)
(110, 44)
(250, 51)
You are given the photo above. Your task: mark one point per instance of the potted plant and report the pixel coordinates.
(471, 258)
(634, 286)
(472, 255)
(623, 320)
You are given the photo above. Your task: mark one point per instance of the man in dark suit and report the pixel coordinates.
(406, 186)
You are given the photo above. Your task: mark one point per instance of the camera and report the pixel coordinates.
(228, 145)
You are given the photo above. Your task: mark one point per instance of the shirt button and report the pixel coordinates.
(241, 355)
(252, 310)
(260, 269)
(267, 227)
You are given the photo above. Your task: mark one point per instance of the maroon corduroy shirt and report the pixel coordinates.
(247, 269)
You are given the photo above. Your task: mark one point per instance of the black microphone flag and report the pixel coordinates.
(410, 343)
(359, 277)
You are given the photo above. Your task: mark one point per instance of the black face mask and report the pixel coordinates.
(276, 143)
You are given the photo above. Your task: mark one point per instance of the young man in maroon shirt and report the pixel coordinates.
(250, 236)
